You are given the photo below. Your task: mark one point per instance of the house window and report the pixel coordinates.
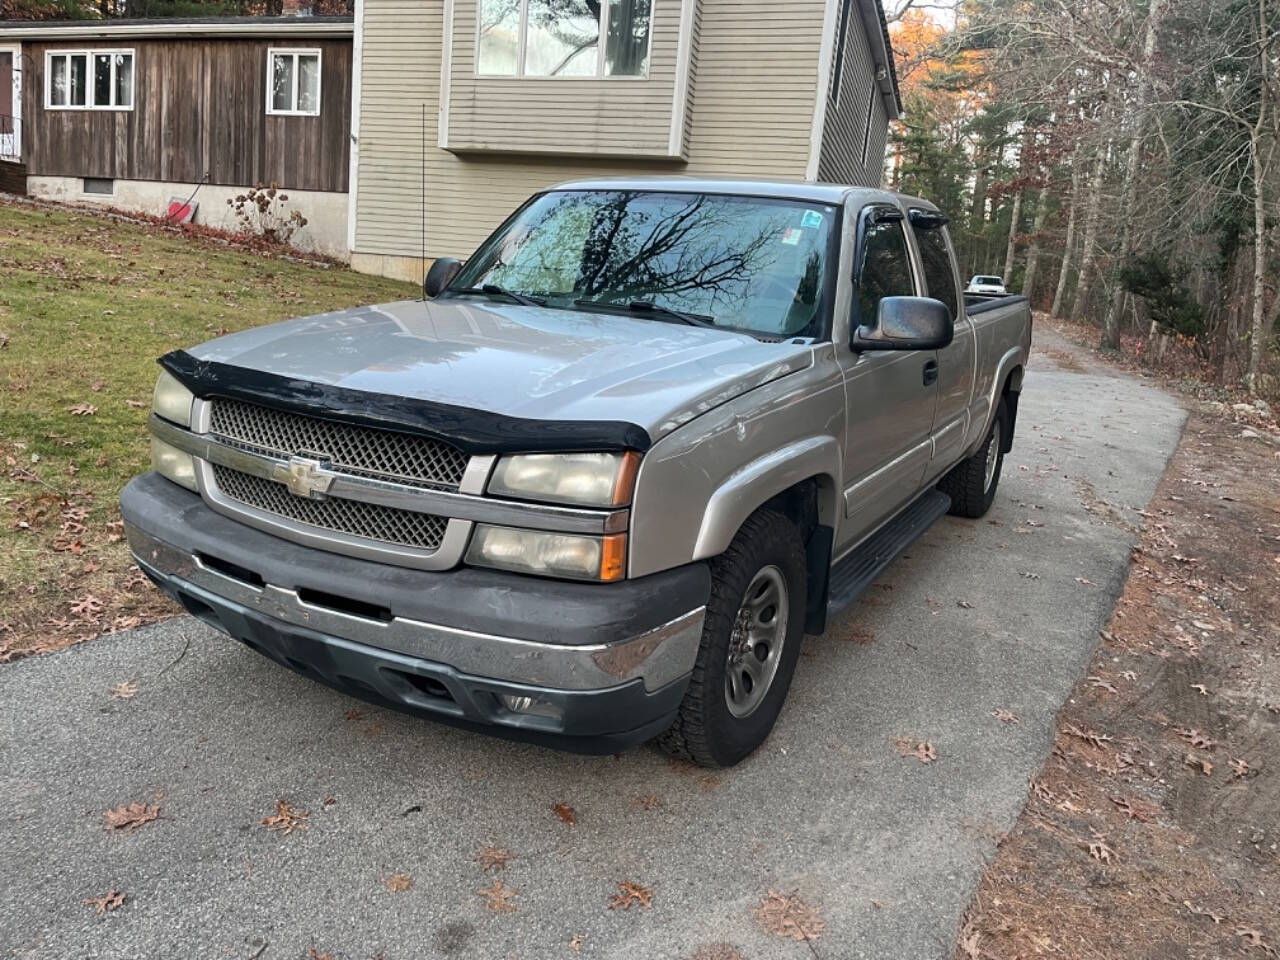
(561, 38)
(293, 82)
(89, 80)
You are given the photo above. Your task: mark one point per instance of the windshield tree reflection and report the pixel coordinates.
(748, 263)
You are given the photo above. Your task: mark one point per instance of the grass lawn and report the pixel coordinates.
(86, 306)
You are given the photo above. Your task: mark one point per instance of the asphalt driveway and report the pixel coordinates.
(993, 615)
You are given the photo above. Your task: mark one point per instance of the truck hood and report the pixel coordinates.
(518, 361)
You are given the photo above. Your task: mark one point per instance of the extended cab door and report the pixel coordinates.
(956, 361)
(890, 395)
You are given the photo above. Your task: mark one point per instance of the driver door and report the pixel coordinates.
(890, 395)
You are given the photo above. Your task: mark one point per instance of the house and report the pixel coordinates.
(154, 115)
(462, 108)
(413, 129)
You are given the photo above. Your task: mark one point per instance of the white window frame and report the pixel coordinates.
(295, 52)
(522, 45)
(89, 54)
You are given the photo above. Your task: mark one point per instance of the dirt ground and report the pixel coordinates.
(1153, 830)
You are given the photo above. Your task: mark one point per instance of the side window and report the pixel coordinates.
(937, 266)
(885, 270)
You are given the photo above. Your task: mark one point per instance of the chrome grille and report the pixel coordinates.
(370, 521)
(365, 451)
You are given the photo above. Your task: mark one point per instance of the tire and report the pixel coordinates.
(969, 485)
(718, 724)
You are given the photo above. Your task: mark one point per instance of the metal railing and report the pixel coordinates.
(10, 137)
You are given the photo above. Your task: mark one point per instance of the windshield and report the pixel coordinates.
(744, 263)
(988, 281)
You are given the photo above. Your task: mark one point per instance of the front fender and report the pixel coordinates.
(749, 487)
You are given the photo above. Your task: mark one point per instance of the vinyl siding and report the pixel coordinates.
(610, 116)
(751, 94)
(849, 100)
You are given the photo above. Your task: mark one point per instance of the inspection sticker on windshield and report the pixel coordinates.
(811, 218)
(791, 236)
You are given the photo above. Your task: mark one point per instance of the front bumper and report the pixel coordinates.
(607, 664)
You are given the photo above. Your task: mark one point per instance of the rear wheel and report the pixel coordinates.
(750, 644)
(972, 483)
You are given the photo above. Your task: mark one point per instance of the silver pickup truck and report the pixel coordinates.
(595, 487)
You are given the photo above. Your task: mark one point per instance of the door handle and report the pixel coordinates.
(931, 372)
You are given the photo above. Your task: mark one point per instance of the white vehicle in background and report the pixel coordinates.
(990, 285)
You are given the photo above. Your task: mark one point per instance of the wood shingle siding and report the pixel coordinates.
(199, 112)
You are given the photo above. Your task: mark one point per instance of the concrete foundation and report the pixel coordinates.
(326, 213)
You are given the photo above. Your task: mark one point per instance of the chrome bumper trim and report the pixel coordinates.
(658, 656)
(386, 493)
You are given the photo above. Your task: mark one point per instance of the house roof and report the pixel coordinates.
(162, 27)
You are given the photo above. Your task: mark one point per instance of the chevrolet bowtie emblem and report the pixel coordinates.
(304, 477)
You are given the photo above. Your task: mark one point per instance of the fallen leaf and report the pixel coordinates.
(1200, 687)
(125, 690)
(1084, 582)
(1005, 716)
(498, 897)
(1028, 575)
(1099, 740)
(1197, 739)
(964, 604)
(575, 942)
(136, 404)
(111, 900)
(130, 817)
(788, 916)
(565, 813)
(82, 410)
(286, 819)
(494, 858)
(1135, 809)
(1102, 683)
(969, 940)
(925, 752)
(398, 882)
(647, 802)
(1239, 768)
(314, 954)
(630, 894)
(1101, 851)
(1203, 763)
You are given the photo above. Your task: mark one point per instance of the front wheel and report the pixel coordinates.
(972, 483)
(750, 643)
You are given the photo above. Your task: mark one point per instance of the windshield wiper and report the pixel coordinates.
(493, 290)
(648, 306)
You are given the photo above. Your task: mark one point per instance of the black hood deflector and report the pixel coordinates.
(473, 431)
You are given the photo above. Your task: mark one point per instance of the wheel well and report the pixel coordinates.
(811, 505)
(1010, 393)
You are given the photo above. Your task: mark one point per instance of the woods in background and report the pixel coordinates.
(1116, 160)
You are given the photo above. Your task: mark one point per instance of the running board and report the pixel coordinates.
(857, 570)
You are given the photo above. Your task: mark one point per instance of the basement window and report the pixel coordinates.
(99, 185)
(293, 82)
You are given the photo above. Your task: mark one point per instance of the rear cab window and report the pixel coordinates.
(935, 256)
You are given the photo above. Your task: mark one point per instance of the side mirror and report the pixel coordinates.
(907, 323)
(440, 275)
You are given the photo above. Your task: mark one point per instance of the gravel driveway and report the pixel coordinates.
(993, 615)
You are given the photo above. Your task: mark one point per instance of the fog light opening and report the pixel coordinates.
(529, 706)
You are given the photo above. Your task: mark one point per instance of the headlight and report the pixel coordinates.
(582, 479)
(549, 554)
(178, 465)
(172, 400)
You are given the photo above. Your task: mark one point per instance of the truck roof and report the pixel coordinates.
(777, 189)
